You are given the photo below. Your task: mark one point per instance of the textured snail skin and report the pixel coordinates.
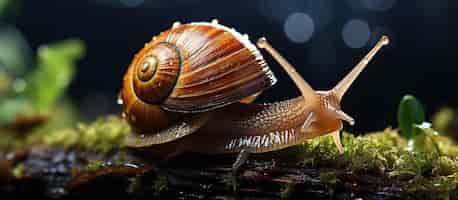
(192, 68)
(262, 128)
(258, 128)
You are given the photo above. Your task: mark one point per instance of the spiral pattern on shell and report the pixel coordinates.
(191, 68)
(156, 72)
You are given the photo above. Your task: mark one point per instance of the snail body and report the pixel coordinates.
(208, 108)
(258, 128)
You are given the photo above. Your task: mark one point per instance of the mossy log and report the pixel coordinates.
(60, 173)
(90, 161)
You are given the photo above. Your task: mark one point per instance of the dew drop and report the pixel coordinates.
(176, 24)
(119, 100)
(142, 136)
(214, 21)
(123, 115)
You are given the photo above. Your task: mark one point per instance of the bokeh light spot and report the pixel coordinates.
(299, 27)
(356, 33)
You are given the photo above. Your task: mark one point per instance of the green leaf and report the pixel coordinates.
(410, 112)
(56, 68)
(15, 52)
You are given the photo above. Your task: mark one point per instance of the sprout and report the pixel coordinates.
(410, 113)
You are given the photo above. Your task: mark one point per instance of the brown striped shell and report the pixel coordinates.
(191, 68)
(199, 67)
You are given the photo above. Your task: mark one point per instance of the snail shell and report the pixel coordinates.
(191, 68)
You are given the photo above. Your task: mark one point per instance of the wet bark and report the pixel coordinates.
(72, 174)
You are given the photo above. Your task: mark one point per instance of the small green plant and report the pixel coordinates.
(412, 125)
(410, 114)
(56, 68)
(31, 87)
(39, 91)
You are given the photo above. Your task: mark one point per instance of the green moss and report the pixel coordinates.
(94, 165)
(104, 135)
(446, 145)
(19, 170)
(412, 165)
(424, 172)
(441, 187)
(443, 119)
(375, 152)
(444, 166)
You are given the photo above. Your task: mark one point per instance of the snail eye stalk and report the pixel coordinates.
(342, 87)
(307, 91)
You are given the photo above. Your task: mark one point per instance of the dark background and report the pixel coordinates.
(420, 59)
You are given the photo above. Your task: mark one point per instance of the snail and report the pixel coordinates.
(191, 89)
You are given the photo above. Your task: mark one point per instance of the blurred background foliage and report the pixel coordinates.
(33, 82)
